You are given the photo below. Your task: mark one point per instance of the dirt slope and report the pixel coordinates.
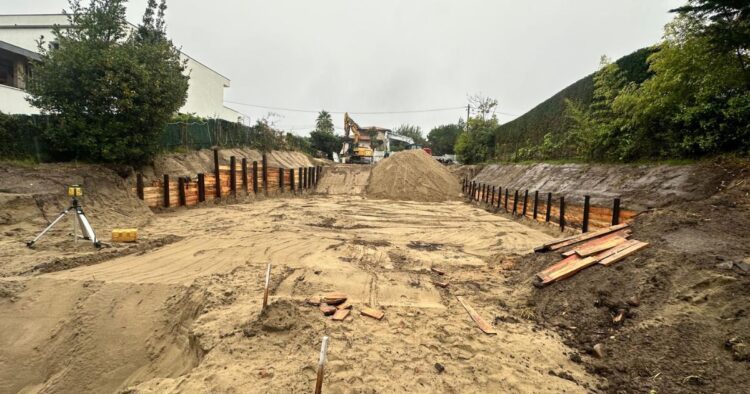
(202, 161)
(639, 186)
(412, 176)
(686, 299)
(344, 179)
(90, 336)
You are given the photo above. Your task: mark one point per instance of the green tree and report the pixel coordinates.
(324, 122)
(265, 137)
(726, 24)
(323, 138)
(594, 131)
(298, 143)
(442, 139)
(413, 132)
(697, 103)
(477, 144)
(111, 93)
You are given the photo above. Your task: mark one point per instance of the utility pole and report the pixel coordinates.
(468, 115)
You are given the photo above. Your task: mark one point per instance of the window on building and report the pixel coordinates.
(6, 72)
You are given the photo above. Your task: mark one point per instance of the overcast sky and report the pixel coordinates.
(391, 56)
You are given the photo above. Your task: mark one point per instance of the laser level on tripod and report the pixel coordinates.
(79, 220)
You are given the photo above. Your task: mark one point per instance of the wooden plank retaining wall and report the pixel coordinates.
(547, 207)
(246, 178)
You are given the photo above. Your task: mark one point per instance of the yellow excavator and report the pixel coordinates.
(358, 141)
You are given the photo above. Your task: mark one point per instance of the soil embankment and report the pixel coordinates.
(202, 161)
(684, 299)
(639, 186)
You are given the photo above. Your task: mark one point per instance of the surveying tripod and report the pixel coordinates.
(79, 220)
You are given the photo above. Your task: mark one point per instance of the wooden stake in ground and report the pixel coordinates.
(321, 364)
(481, 323)
(265, 292)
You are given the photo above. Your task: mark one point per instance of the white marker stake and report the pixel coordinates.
(265, 293)
(321, 363)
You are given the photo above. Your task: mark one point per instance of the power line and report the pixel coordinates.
(342, 112)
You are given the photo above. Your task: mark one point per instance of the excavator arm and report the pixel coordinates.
(351, 127)
(351, 149)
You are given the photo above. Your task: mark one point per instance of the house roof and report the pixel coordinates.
(20, 51)
(48, 21)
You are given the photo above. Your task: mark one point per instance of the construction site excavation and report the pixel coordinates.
(249, 272)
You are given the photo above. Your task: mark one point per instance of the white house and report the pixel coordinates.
(18, 44)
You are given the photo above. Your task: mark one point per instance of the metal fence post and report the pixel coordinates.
(217, 173)
(181, 191)
(244, 175)
(525, 202)
(255, 177)
(139, 185)
(586, 209)
(265, 174)
(291, 180)
(233, 175)
(562, 213)
(616, 212)
(548, 215)
(201, 188)
(166, 191)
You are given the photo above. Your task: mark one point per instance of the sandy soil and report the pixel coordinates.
(32, 197)
(185, 316)
(639, 186)
(202, 161)
(413, 175)
(344, 179)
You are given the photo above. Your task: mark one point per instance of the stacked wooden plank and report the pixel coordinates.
(604, 247)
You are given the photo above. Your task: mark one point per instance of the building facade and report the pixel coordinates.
(19, 44)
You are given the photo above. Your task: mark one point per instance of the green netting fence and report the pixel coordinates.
(202, 135)
(21, 137)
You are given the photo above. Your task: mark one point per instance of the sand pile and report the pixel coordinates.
(413, 176)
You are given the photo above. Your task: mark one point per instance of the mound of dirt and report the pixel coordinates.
(279, 316)
(413, 176)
